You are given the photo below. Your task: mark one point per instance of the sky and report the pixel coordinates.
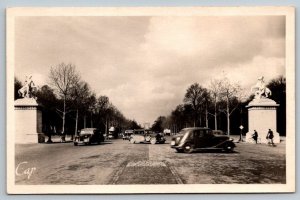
(145, 64)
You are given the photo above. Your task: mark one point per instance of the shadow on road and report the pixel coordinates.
(94, 144)
(150, 143)
(57, 142)
(208, 151)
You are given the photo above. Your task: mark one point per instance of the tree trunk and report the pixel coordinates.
(200, 120)
(216, 120)
(84, 121)
(206, 117)
(106, 127)
(91, 120)
(63, 137)
(64, 117)
(228, 123)
(76, 122)
(228, 117)
(241, 122)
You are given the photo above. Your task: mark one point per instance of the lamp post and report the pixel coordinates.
(241, 133)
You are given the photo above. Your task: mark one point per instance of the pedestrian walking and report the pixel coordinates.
(270, 137)
(255, 136)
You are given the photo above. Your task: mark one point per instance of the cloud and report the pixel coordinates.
(145, 64)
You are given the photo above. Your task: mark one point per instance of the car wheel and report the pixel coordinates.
(179, 150)
(75, 143)
(153, 141)
(188, 148)
(148, 138)
(229, 148)
(132, 141)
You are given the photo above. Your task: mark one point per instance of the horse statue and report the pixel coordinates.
(28, 88)
(260, 89)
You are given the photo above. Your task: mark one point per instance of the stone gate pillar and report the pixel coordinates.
(262, 117)
(28, 121)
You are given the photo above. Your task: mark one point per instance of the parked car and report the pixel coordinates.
(198, 138)
(145, 138)
(113, 133)
(89, 136)
(127, 134)
(167, 131)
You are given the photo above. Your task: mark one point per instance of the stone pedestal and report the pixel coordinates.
(28, 121)
(262, 117)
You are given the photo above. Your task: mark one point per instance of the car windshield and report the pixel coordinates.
(128, 131)
(183, 131)
(185, 134)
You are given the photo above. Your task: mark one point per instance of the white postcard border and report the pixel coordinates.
(289, 12)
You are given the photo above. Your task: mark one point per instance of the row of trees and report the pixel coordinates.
(217, 106)
(69, 104)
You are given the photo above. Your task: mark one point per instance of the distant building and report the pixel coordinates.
(146, 125)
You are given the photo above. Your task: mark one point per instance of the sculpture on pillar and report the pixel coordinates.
(262, 113)
(28, 88)
(260, 89)
(28, 115)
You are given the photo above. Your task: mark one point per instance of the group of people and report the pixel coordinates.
(269, 137)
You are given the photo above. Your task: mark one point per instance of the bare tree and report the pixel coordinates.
(103, 108)
(215, 90)
(80, 95)
(231, 93)
(207, 101)
(63, 77)
(91, 109)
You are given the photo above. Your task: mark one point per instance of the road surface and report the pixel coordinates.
(120, 162)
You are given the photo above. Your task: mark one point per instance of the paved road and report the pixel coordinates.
(119, 162)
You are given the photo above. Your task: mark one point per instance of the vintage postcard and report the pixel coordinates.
(121, 100)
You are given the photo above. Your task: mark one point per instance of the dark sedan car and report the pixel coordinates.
(88, 136)
(197, 138)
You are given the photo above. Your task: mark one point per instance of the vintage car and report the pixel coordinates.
(146, 138)
(198, 138)
(88, 136)
(127, 134)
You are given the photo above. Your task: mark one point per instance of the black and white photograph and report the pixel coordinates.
(150, 100)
